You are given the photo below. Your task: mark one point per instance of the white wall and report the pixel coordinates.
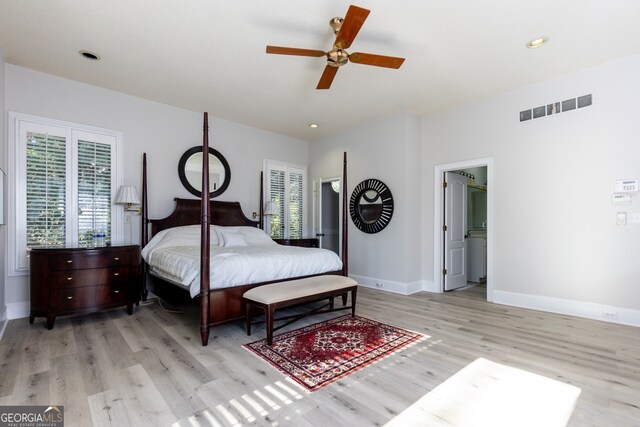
(388, 150)
(163, 132)
(557, 245)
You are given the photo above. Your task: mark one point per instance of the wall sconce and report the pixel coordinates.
(127, 196)
(271, 208)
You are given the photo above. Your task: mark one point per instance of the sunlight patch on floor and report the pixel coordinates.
(489, 394)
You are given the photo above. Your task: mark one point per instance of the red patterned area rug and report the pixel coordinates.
(320, 354)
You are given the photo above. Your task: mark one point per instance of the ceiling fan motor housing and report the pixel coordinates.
(337, 57)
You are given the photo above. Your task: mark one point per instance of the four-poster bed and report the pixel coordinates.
(220, 303)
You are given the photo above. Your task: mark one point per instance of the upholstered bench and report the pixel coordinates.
(284, 294)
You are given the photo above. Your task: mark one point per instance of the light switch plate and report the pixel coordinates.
(635, 218)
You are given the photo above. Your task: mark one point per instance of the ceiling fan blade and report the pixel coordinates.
(294, 51)
(327, 77)
(352, 23)
(376, 60)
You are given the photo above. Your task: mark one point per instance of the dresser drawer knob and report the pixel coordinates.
(70, 278)
(116, 274)
(116, 291)
(69, 261)
(69, 297)
(116, 258)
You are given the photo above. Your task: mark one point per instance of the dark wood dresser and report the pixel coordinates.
(75, 280)
(306, 243)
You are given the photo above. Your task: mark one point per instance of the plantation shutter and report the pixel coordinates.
(94, 191)
(295, 205)
(46, 181)
(285, 186)
(277, 194)
(62, 179)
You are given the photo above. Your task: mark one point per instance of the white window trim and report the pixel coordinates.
(16, 186)
(266, 166)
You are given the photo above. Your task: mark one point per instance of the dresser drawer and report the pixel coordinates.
(89, 259)
(89, 277)
(88, 297)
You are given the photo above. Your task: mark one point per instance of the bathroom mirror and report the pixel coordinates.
(190, 171)
(371, 206)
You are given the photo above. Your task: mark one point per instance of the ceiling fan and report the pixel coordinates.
(346, 31)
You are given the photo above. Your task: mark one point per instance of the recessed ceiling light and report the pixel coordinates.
(313, 125)
(537, 42)
(89, 55)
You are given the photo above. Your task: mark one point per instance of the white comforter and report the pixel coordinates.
(177, 257)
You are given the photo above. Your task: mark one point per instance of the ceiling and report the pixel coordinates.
(209, 55)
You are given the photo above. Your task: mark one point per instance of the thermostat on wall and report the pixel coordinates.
(626, 186)
(621, 199)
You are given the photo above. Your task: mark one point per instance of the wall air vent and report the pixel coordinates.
(556, 107)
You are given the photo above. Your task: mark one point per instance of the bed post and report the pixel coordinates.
(261, 226)
(144, 238)
(345, 220)
(204, 238)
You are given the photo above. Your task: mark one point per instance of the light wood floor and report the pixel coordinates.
(150, 369)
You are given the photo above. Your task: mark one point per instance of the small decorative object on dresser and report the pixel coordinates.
(75, 280)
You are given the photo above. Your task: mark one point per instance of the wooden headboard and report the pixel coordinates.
(187, 212)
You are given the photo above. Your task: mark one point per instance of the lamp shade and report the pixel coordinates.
(271, 208)
(127, 196)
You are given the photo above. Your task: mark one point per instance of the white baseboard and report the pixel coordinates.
(390, 285)
(17, 310)
(589, 310)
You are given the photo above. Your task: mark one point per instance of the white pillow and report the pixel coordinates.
(253, 236)
(229, 239)
(187, 235)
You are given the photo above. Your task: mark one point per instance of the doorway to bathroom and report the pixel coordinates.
(463, 226)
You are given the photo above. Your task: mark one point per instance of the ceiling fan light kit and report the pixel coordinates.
(336, 24)
(346, 31)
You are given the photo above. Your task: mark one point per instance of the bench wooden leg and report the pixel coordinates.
(331, 303)
(248, 306)
(344, 299)
(269, 314)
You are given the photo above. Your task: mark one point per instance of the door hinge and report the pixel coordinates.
(444, 184)
(444, 271)
(444, 228)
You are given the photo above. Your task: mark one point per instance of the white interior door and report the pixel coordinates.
(455, 265)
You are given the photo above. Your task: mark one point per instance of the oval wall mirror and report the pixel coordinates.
(371, 206)
(190, 172)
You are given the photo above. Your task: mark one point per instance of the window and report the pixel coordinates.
(63, 180)
(285, 185)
